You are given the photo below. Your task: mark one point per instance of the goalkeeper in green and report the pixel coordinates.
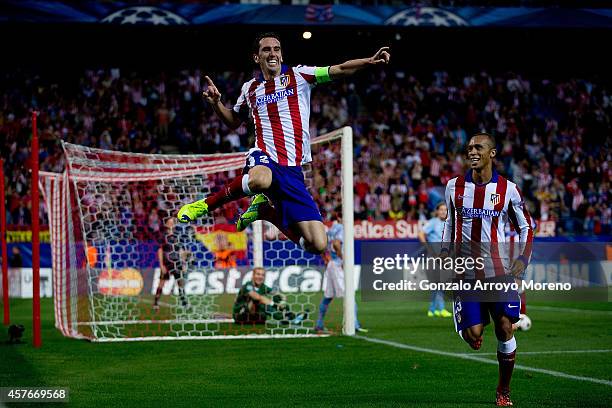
(256, 301)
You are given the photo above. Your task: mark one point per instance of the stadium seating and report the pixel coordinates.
(409, 134)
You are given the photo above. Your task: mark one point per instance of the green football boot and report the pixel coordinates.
(252, 213)
(189, 212)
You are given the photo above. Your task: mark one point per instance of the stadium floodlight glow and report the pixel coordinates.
(307, 35)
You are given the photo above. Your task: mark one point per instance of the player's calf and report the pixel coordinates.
(317, 246)
(503, 329)
(314, 237)
(506, 354)
(234, 190)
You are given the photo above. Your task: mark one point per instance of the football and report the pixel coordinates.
(524, 322)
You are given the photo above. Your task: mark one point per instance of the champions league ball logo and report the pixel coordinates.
(426, 17)
(141, 15)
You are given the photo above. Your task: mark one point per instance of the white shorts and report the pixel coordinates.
(335, 280)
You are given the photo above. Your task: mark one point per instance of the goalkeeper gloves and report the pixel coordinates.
(279, 302)
(278, 298)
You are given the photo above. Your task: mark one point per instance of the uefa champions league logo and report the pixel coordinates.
(426, 17)
(144, 15)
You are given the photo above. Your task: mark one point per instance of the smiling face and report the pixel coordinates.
(269, 56)
(480, 152)
(259, 276)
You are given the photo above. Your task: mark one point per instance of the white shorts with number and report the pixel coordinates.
(335, 280)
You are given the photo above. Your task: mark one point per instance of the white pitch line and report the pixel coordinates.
(217, 337)
(484, 360)
(522, 353)
(173, 321)
(567, 309)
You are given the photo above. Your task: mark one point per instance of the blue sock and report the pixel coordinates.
(357, 324)
(432, 304)
(440, 300)
(323, 310)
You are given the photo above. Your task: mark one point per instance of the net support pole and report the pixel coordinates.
(258, 243)
(348, 251)
(5, 284)
(36, 339)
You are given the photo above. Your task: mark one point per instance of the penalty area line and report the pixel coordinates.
(558, 374)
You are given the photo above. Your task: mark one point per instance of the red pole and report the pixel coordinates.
(5, 288)
(35, 237)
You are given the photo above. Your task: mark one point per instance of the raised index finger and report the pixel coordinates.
(383, 49)
(210, 82)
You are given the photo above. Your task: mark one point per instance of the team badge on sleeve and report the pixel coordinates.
(495, 198)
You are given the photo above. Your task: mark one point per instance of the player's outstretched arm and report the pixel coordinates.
(213, 96)
(382, 56)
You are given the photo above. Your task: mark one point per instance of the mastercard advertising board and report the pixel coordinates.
(122, 282)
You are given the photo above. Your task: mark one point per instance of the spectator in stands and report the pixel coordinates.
(15, 260)
(550, 133)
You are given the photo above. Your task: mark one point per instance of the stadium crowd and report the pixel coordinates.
(410, 131)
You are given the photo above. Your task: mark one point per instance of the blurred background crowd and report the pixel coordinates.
(410, 132)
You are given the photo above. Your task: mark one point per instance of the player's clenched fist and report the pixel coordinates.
(211, 93)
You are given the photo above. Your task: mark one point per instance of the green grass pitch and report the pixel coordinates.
(323, 372)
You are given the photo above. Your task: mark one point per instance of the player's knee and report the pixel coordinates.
(472, 334)
(314, 236)
(260, 179)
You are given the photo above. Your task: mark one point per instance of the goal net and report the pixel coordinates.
(111, 212)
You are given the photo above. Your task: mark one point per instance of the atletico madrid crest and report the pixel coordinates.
(285, 80)
(495, 198)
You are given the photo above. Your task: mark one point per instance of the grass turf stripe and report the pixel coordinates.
(484, 360)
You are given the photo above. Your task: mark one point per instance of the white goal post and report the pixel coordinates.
(348, 215)
(106, 212)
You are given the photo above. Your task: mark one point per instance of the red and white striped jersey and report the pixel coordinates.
(479, 213)
(280, 109)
